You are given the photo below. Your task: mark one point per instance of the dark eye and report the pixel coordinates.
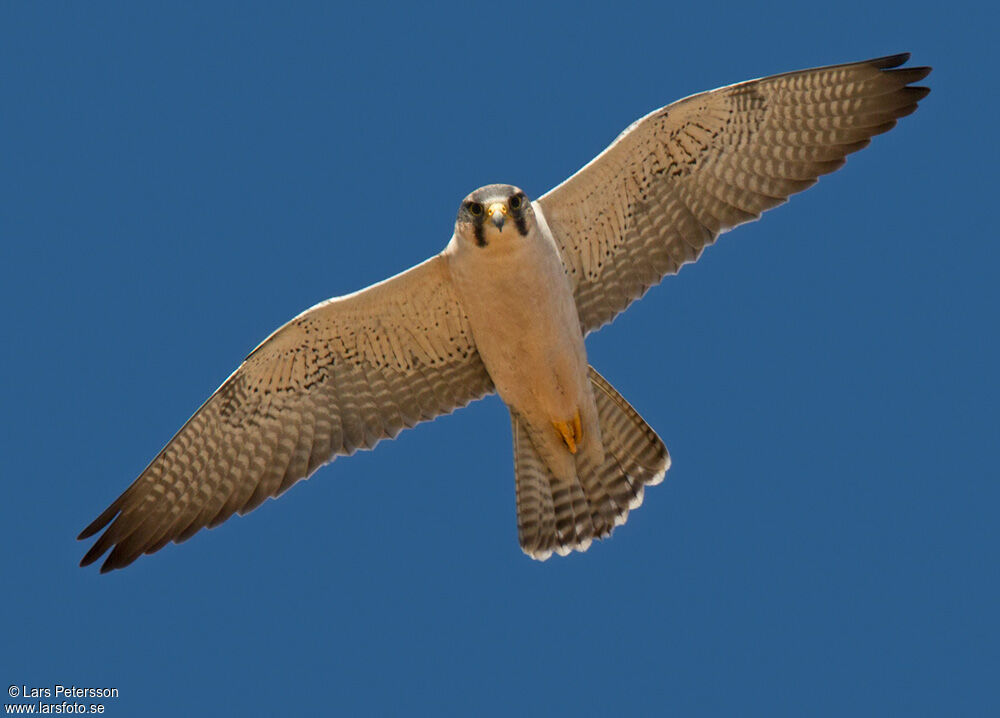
(515, 202)
(475, 209)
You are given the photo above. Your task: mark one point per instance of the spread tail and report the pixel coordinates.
(566, 514)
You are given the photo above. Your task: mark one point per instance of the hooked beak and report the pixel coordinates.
(498, 213)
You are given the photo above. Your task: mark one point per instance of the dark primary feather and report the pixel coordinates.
(677, 178)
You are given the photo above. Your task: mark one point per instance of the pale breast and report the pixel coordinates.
(525, 324)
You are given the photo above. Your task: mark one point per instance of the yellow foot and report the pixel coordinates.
(571, 432)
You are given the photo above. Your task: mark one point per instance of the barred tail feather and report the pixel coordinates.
(559, 515)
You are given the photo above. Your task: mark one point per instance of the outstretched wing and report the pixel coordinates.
(339, 377)
(677, 178)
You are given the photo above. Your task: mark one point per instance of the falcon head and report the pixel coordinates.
(493, 213)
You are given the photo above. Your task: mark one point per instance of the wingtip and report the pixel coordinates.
(110, 563)
(118, 559)
(906, 76)
(95, 552)
(891, 65)
(91, 529)
(103, 520)
(889, 61)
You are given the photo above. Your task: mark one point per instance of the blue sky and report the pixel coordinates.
(178, 181)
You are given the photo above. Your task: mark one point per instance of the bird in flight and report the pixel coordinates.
(505, 307)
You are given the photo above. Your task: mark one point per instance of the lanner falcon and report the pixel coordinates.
(505, 307)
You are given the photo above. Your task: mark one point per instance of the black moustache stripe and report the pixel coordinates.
(480, 230)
